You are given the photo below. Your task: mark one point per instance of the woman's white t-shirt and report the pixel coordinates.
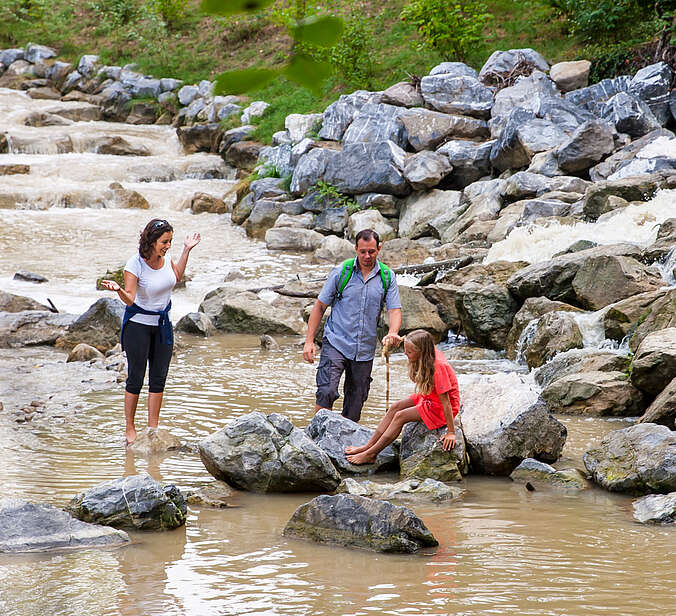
(154, 287)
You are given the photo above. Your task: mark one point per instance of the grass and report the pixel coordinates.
(200, 47)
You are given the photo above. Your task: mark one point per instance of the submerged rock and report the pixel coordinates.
(637, 460)
(410, 490)
(137, 502)
(538, 472)
(356, 521)
(333, 433)
(267, 454)
(154, 441)
(31, 527)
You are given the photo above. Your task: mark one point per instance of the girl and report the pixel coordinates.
(436, 400)
(147, 336)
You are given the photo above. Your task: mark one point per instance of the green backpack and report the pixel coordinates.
(348, 269)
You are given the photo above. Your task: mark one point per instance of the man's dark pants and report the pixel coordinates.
(332, 364)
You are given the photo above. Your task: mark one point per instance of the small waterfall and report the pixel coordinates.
(636, 223)
(592, 329)
(525, 338)
(668, 267)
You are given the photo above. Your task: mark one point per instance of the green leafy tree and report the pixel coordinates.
(452, 28)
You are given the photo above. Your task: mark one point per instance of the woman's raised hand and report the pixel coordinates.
(191, 240)
(111, 285)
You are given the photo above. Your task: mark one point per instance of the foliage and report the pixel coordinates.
(115, 13)
(172, 12)
(353, 55)
(602, 20)
(453, 28)
(324, 190)
(266, 170)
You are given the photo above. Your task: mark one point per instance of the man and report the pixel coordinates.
(350, 337)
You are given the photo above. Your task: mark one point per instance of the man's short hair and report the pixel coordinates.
(367, 235)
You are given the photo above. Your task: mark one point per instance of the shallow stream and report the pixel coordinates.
(503, 549)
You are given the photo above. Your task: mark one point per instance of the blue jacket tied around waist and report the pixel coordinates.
(166, 331)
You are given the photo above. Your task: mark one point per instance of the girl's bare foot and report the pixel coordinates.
(362, 458)
(353, 450)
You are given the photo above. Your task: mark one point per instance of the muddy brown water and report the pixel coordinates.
(503, 550)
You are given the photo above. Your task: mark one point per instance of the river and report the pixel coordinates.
(503, 549)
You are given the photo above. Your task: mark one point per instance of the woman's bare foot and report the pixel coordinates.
(353, 450)
(130, 435)
(362, 458)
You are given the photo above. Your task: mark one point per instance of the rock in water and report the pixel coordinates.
(531, 470)
(409, 490)
(656, 509)
(505, 422)
(422, 455)
(333, 433)
(155, 441)
(31, 527)
(137, 503)
(267, 454)
(356, 521)
(637, 460)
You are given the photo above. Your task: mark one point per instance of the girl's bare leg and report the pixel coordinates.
(382, 426)
(130, 404)
(391, 433)
(154, 406)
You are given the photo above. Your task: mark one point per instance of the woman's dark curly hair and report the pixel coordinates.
(152, 232)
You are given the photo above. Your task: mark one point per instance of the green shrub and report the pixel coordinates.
(352, 57)
(324, 190)
(452, 28)
(172, 12)
(115, 12)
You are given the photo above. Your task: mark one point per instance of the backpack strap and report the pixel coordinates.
(385, 276)
(345, 275)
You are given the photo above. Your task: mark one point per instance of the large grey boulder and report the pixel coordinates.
(374, 123)
(630, 115)
(654, 365)
(601, 394)
(287, 238)
(333, 433)
(403, 251)
(416, 490)
(332, 250)
(18, 303)
(246, 313)
(339, 115)
(593, 97)
(575, 361)
(470, 160)
(36, 53)
(368, 167)
(506, 61)
(555, 332)
(418, 313)
(422, 456)
(541, 474)
(637, 460)
(653, 84)
(553, 278)
(264, 213)
(655, 509)
(525, 93)
(356, 521)
(197, 323)
(370, 219)
(504, 422)
(530, 312)
(425, 169)
(639, 188)
(300, 125)
(263, 453)
(623, 316)
(486, 312)
(661, 314)
(99, 326)
(32, 527)
(455, 69)
(426, 129)
(137, 502)
(420, 211)
(606, 279)
(387, 205)
(588, 145)
(461, 94)
(444, 296)
(33, 327)
(663, 408)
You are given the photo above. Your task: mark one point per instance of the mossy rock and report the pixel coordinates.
(116, 274)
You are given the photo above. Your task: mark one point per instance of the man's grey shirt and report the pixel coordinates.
(351, 326)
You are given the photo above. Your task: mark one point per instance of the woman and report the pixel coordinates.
(147, 336)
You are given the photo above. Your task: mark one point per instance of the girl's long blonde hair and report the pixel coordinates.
(421, 371)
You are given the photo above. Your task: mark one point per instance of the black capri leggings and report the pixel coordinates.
(142, 345)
